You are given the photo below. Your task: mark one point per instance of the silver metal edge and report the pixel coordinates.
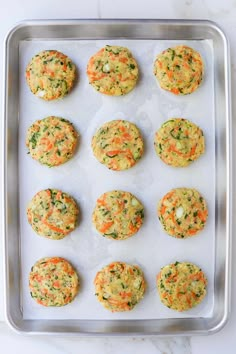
(7, 316)
(4, 179)
(4, 184)
(229, 172)
(215, 27)
(33, 22)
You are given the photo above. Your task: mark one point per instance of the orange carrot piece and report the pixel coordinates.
(106, 226)
(54, 228)
(123, 60)
(56, 284)
(175, 91)
(113, 152)
(191, 232)
(54, 260)
(125, 294)
(202, 215)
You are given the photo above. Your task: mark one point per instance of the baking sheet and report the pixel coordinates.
(86, 179)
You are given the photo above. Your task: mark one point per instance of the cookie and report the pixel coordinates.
(50, 75)
(113, 70)
(179, 142)
(52, 141)
(118, 215)
(179, 70)
(182, 212)
(53, 282)
(52, 214)
(118, 145)
(119, 286)
(181, 285)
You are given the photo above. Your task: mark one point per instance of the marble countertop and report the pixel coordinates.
(222, 12)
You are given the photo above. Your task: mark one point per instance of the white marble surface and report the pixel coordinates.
(224, 13)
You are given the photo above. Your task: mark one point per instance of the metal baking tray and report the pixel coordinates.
(117, 30)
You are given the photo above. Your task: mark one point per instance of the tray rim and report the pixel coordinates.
(229, 172)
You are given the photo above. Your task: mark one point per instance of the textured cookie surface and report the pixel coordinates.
(119, 286)
(53, 282)
(118, 215)
(182, 212)
(52, 213)
(113, 70)
(52, 141)
(179, 70)
(179, 142)
(181, 285)
(118, 144)
(50, 74)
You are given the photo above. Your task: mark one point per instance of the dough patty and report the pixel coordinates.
(179, 142)
(182, 212)
(118, 145)
(118, 215)
(179, 70)
(52, 141)
(119, 286)
(50, 75)
(52, 214)
(181, 285)
(113, 70)
(53, 282)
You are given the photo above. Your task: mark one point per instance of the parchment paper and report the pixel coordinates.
(86, 179)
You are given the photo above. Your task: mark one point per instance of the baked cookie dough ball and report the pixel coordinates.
(50, 75)
(118, 145)
(113, 70)
(52, 214)
(182, 212)
(53, 282)
(181, 285)
(179, 70)
(119, 286)
(179, 142)
(118, 215)
(52, 141)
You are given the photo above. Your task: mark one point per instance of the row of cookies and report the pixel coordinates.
(118, 214)
(119, 286)
(114, 71)
(118, 144)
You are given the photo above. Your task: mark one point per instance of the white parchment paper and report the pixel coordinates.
(86, 179)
